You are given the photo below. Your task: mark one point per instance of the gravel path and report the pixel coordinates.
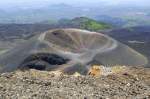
(134, 84)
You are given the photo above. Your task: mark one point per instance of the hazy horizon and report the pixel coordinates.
(38, 3)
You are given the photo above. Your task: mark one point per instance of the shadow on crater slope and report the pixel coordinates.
(69, 50)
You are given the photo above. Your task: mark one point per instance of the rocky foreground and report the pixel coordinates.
(132, 83)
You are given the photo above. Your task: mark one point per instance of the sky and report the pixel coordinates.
(7, 3)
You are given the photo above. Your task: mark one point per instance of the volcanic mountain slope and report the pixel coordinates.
(69, 50)
(137, 38)
(131, 83)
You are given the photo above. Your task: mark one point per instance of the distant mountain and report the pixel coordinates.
(34, 15)
(79, 22)
(117, 22)
(85, 23)
(119, 16)
(53, 12)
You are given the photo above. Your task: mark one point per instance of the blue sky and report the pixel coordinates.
(71, 1)
(84, 2)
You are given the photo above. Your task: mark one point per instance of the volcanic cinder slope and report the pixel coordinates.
(69, 50)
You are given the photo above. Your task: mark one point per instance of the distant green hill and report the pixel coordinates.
(80, 23)
(89, 24)
(85, 23)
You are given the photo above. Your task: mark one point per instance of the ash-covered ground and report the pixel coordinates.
(132, 83)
